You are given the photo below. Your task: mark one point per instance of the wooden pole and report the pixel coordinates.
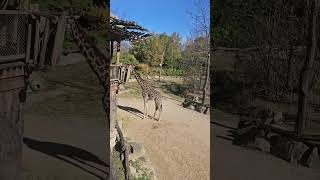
(118, 52)
(12, 83)
(58, 41)
(44, 44)
(306, 70)
(205, 86)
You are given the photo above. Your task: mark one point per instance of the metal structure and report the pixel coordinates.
(121, 30)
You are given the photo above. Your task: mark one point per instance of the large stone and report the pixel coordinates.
(133, 171)
(281, 147)
(191, 107)
(200, 108)
(297, 151)
(246, 135)
(277, 117)
(207, 112)
(262, 144)
(137, 151)
(37, 83)
(313, 160)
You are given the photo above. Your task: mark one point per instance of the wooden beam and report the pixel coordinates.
(58, 42)
(28, 46)
(44, 43)
(36, 41)
(304, 90)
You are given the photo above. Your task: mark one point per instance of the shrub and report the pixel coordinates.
(173, 72)
(144, 68)
(129, 59)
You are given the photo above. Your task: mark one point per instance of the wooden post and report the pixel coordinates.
(44, 44)
(306, 70)
(118, 52)
(28, 47)
(111, 49)
(58, 42)
(128, 74)
(12, 84)
(113, 112)
(36, 41)
(206, 83)
(24, 4)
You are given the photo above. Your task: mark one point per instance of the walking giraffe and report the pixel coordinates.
(148, 93)
(100, 65)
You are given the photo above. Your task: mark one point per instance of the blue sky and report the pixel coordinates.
(156, 15)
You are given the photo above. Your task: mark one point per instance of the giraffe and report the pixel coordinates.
(148, 93)
(100, 65)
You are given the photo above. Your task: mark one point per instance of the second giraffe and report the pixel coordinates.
(149, 93)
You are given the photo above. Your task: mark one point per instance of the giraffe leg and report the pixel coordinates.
(154, 115)
(147, 109)
(160, 110)
(144, 110)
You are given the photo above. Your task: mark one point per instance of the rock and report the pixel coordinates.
(37, 84)
(297, 152)
(138, 151)
(207, 112)
(287, 149)
(313, 160)
(268, 121)
(200, 108)
(191, 107)
(121, 87)
(133, 171)
(262, 144)
(277, 117)
(246, 135)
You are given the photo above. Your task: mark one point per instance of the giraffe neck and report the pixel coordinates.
(140, 81)
(98, 62)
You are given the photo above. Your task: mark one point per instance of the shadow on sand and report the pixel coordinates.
(64, 151)
(131, 110)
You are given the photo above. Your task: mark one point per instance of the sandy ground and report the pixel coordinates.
(65, 136)
(232, 162)
(178, 145)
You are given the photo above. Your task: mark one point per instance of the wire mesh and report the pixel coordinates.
(13, 30)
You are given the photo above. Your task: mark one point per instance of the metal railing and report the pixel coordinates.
(13, 35)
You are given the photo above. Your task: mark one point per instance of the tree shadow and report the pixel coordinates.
(173, 88)
(222, 125)
(64, 151)
(131, 110)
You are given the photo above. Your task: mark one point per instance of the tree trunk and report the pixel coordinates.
(161, 64)
(306, 70)
(12, 95)
(205, 89)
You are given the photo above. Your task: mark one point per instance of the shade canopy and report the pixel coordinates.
(127, 30)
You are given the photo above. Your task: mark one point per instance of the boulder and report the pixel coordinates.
(191, 107)
(207, 112)
(298, 149)
(281, 147)
(246, 135)
(133, 171)
(262, 144)
(137, 151)
(277, 117)
(313, 160)
(200, 108)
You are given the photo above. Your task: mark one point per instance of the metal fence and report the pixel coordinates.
(13, 32)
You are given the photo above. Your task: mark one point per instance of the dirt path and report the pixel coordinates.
(178, 145)
(232, 162)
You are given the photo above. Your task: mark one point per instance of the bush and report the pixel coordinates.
(129, 59)
(173, 72)
(144, 68)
